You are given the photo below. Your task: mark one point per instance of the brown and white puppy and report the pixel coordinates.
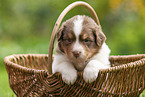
(81, 47)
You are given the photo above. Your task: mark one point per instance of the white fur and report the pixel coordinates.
(78, 26)
(103, 55)
(62, 65)
(78, 47)
(99, 61)
(77, 31)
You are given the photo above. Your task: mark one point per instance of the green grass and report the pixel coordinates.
(5, 90)
(143, 94)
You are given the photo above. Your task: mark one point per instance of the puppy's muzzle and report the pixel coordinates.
(76, 54)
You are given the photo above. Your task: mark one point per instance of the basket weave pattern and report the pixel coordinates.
(29, 77)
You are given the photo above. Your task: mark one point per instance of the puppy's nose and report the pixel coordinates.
(76, 53)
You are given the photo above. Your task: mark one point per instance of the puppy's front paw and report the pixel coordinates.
(91, 71)
(69, 77)
(90, 75)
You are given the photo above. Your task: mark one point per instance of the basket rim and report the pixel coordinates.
(19, 67)
(141, 61)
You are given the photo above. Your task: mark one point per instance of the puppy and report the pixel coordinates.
(81, 47)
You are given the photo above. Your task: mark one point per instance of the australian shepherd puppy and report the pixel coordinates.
(81, 47)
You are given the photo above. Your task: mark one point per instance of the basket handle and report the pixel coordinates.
(57, 24)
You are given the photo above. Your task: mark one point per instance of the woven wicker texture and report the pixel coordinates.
(30, 74)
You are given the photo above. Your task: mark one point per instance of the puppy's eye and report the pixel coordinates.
(86, 40)
(68, 40)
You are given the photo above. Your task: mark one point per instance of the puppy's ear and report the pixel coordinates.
(60, 38)
(99, 37)
(60, 32)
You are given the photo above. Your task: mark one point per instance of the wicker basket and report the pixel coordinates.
(30, 74)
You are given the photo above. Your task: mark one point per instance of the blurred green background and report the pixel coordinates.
(26, 25)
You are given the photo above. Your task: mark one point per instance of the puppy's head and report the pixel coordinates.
(80, 38)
